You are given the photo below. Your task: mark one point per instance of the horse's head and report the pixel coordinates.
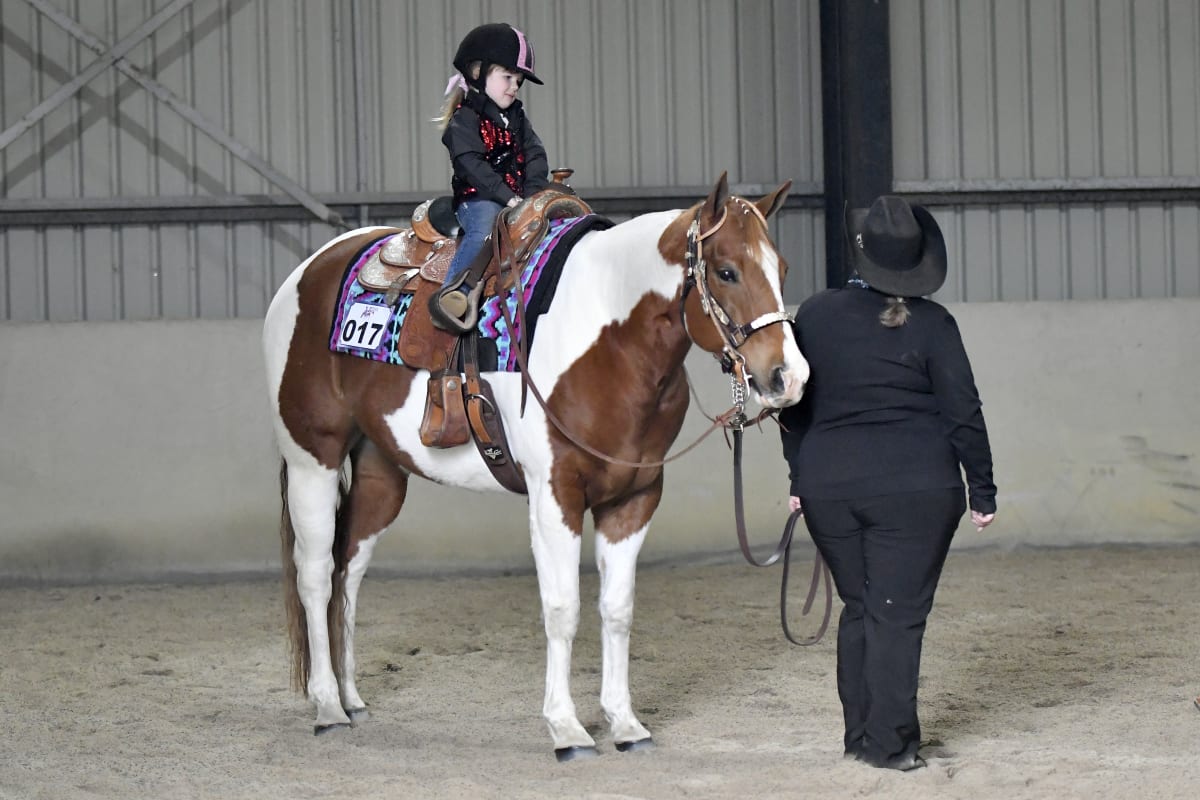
(733, 301)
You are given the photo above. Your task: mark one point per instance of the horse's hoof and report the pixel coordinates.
(633, 747)
(322, 729)
(564, 754)
(358, 714)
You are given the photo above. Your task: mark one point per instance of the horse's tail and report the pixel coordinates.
(297, 629)
(297, 622)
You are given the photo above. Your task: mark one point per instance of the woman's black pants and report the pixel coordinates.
(886, 555)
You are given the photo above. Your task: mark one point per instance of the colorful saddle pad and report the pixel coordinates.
(364, 325)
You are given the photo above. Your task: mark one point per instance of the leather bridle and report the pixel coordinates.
(732, 335)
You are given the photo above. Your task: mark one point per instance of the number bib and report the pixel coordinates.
(363, 326)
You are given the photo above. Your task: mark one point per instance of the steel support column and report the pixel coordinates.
(856, 102)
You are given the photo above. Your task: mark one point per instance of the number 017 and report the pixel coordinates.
(359, 331)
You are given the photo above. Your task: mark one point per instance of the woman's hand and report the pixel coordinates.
(514, 202)
(793, 503)
(981, 521)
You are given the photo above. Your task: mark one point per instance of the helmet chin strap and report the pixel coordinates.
(478, 84)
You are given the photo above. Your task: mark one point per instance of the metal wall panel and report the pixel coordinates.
(1071, 251)
(1063, 94)
(641, 95)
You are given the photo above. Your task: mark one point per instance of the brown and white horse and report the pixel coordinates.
(608, 359)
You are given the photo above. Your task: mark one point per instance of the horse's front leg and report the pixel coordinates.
(620, 532)
(556, 553)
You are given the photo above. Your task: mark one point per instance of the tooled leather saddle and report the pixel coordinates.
(460, 405)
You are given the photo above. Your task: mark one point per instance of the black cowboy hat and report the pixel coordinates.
(898, 248)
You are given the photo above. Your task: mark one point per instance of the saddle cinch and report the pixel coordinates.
(459, 401)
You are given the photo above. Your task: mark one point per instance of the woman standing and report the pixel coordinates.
(874, 450)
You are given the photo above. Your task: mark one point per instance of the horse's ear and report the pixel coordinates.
(716, 198)
(774, 201)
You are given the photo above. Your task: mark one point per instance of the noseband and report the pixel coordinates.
(733, 336)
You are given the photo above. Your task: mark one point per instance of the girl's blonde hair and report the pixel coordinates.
(455, 96)
(896, 313)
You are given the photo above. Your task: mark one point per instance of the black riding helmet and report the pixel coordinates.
(495, 43)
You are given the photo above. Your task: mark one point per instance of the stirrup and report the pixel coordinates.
(453, 311)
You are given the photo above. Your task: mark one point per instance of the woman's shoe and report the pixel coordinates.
(903, 763)
(853, 751)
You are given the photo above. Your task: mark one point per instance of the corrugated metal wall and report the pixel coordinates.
(1046, 95)
(1042, 98)
(642, 96)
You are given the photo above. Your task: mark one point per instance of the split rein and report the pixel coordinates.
(732, 361)
(734, 420)
(782, 550)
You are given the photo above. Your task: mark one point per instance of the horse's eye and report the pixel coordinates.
(727, 274)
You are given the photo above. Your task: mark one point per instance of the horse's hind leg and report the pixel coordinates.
(556, 553)
(312, 498)
(377, 493)
(620, 531)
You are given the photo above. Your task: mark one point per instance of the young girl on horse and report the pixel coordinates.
(496, 157)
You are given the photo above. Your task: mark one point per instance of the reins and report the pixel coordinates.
(732, 337)
(732, 361)
(782, 550)
(721, 420)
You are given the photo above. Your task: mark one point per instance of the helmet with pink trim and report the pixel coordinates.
(496, 43)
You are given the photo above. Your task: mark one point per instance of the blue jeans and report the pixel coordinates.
(476, 218)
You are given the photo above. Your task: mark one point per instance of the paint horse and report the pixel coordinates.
(608, 359)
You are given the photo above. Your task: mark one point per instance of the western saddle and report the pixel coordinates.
(415, 262)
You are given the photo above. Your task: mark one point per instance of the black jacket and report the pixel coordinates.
(887, 410)
(513, 164)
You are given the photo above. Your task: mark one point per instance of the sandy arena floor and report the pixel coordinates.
(1047, 674)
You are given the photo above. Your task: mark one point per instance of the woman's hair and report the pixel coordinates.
(896, 313)
(455, 97)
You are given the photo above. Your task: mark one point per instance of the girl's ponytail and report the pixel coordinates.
(449, 105)
(456, 90)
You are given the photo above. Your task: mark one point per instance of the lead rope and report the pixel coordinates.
(784, 548)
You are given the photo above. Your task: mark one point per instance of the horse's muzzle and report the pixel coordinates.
(783, 386)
